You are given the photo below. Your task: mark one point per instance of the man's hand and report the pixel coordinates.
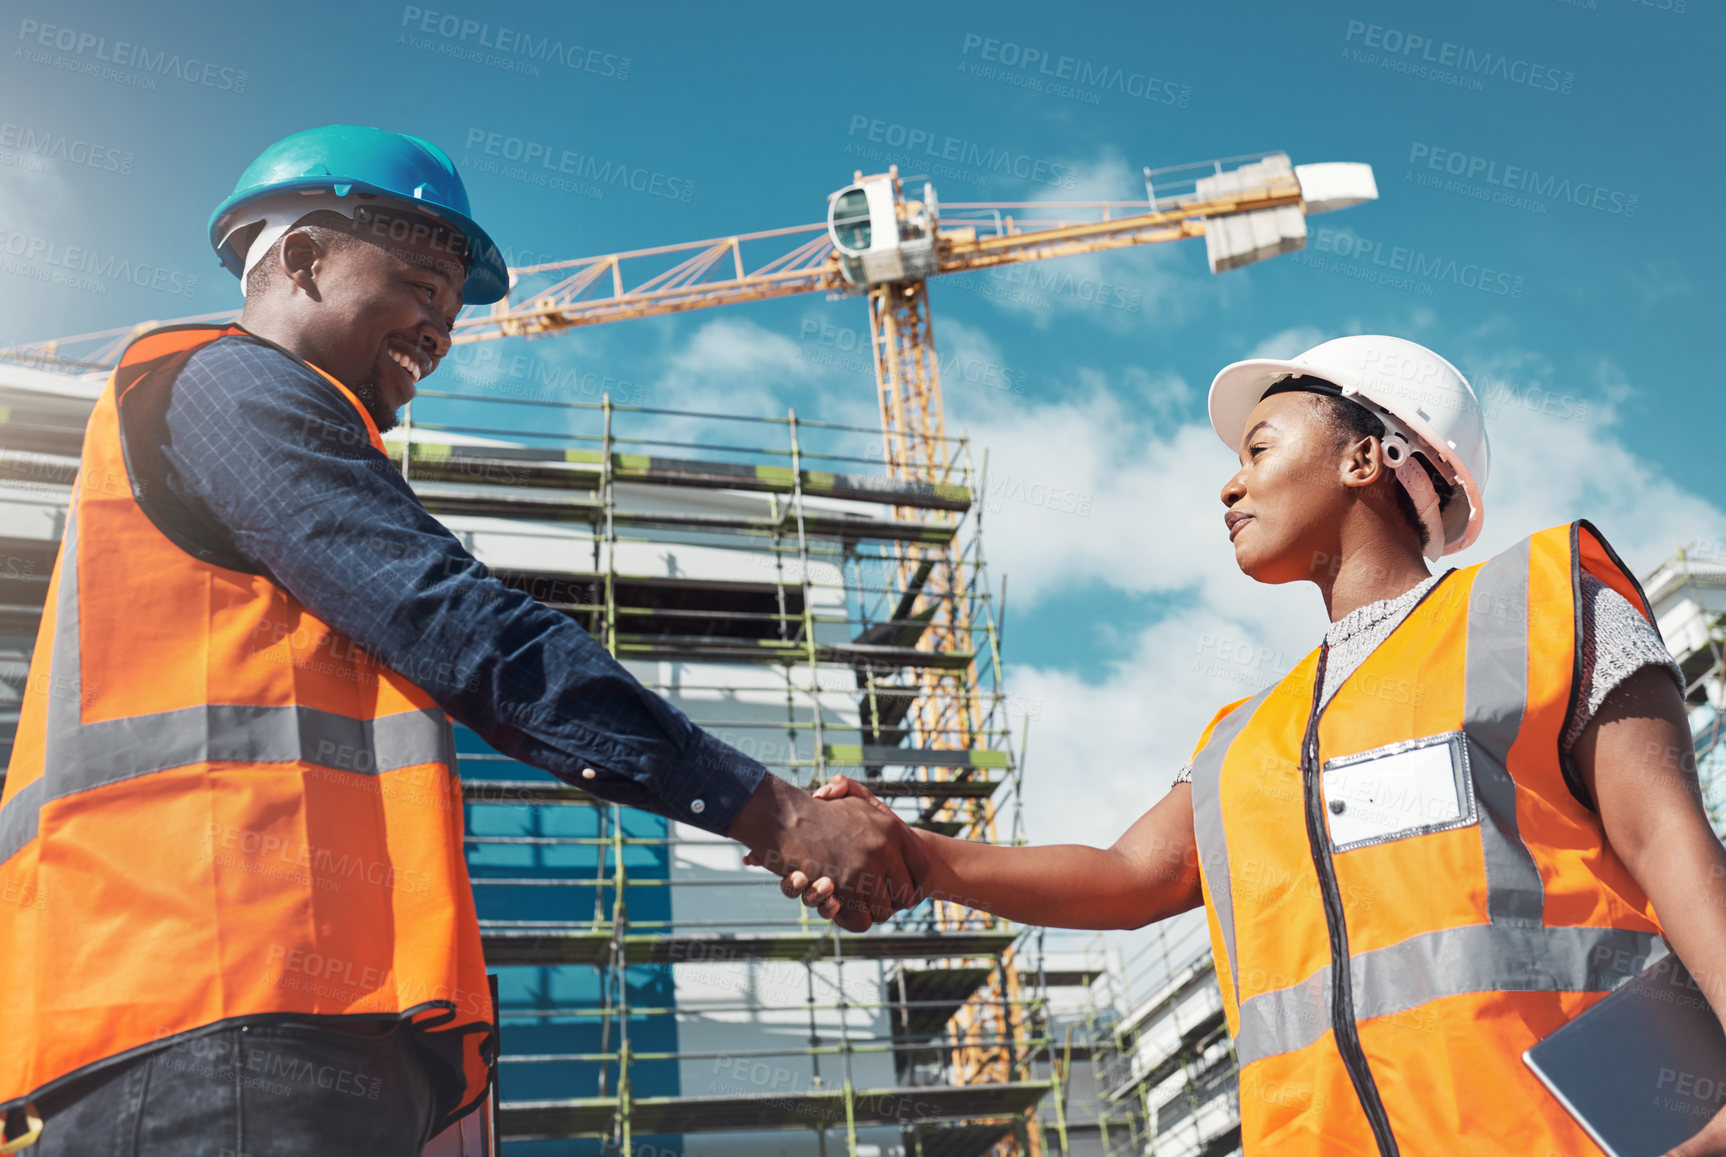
(819, 891)
(870, 856)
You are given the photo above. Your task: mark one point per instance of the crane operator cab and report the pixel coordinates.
(880, 236)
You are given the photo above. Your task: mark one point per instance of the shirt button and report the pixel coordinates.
(588, 773)
(698, 806)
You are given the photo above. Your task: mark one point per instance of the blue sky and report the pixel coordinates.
(1580, 168)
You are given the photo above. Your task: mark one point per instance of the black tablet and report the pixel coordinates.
(1642, 1070)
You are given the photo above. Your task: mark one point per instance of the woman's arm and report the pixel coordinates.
(1637, 760)
(1149, 874)
(1638, 763)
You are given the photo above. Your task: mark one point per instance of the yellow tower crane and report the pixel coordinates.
(884, 245)
(879, 243)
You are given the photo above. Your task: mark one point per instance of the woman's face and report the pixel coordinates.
(1287, 499)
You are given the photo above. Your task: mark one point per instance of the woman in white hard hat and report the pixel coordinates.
(1450, 829)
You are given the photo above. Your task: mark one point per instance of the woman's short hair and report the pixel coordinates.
(1350, 422)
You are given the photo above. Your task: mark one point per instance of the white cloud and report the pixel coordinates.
(31, 195)
(1658, 281)
(1096, 488)
(1556, 456)
(1289, 342)
(735, 367)
(1105, 743)
(1120, 290)
(31, 191)
(957, 342)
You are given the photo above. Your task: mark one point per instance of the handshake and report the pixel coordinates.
(840, 848)
(851, 859)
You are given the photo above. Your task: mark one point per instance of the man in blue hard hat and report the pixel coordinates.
(259, 508)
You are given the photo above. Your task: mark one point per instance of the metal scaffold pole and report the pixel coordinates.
(537, 502)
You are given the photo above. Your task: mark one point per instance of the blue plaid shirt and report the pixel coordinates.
(273, 464)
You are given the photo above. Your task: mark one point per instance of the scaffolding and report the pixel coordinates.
(1688, 594)
(1164, 1072)
(863, 602)
(733, 563)
(1163, 1067)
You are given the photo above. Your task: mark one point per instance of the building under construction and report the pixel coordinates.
(814, 594)
(654, 992)
(817, 596)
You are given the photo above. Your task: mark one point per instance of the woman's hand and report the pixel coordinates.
(1150, 873)
(1710, 1142)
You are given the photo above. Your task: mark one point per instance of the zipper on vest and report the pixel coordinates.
(1342, 981)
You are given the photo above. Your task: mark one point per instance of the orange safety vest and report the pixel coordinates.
(220, 810)
(1403, 892)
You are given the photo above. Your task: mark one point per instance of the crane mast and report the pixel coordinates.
(884, 246)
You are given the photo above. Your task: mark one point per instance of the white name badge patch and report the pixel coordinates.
(1406, 789)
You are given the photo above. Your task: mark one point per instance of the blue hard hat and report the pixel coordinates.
(356, 159)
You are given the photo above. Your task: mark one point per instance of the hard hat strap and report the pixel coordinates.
(412, 233)
(1427, 504)
(276, 217)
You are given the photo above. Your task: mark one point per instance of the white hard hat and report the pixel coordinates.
(1424, 402)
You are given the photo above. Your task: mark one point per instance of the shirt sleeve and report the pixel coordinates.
(1617, 642)
(265, 453)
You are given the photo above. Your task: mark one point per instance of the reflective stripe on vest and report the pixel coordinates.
(1208, 826)
(1515, 951)
(83, 755)
(223, 810)
(1448, 962)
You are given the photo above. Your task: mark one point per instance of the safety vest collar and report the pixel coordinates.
(157, 349)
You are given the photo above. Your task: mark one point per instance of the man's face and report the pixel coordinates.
(1288, 495)
(384, 318)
